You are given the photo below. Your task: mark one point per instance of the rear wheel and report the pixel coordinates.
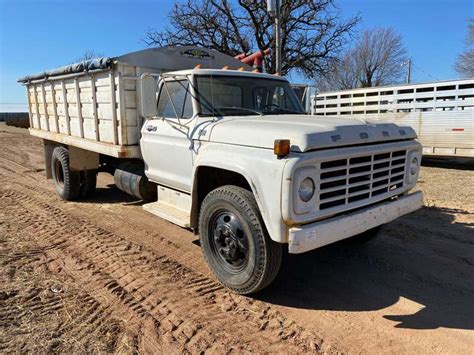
(234, 240)
(66, 181)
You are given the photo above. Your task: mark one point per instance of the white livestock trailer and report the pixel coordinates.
(442, 113)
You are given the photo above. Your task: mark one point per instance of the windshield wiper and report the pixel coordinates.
(230, 108)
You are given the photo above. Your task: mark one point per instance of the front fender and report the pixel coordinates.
(263, 172)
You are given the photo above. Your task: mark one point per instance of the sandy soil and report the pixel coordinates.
(103, 275)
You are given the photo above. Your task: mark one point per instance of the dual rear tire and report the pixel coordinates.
(71, 184)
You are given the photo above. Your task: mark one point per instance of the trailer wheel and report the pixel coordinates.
(234, 240)
(66, 181)
(88, 182)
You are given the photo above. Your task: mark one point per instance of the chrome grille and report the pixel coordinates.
(350, 180)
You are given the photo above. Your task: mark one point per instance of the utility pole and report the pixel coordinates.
(273, 8)
(278, 39)
(408, 71)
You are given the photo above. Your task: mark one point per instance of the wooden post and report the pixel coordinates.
(66, 108)
(55, 110)
(94, 104)
(37, 107)
(114, 106)
(45, 106)
(122, 110)
(30, 111)
(79, 108)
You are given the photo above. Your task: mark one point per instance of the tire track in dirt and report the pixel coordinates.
(115, 300)
(183, 310)
(29, 308)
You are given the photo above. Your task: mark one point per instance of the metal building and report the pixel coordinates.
(442, 113)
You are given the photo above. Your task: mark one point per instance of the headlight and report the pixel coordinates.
(414, 166)
(413, 169)
(306, 189)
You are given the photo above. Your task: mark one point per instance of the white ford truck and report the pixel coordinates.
(227, 153)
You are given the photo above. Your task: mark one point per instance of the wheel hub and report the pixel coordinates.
(229, 239)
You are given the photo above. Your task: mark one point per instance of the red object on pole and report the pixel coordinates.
(240, 56)
(255, 59)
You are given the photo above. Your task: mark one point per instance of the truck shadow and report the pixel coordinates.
(456, 163)
(425, 260)
(111, 194)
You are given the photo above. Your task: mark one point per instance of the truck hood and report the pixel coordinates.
(304, 132)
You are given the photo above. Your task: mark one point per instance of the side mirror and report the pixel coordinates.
(148, 86)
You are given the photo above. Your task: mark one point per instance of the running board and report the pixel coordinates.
(172, 205)
(168, 212)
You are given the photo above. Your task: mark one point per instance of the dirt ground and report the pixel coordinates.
(103, 275)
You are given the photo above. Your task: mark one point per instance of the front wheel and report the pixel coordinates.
(234, 240)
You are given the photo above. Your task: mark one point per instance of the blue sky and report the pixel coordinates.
(44, 34)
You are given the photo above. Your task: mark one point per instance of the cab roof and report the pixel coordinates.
(223, 72)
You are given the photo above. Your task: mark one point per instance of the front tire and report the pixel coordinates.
(234, 240)
(66, 181)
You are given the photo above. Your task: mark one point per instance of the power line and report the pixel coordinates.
(424, 72)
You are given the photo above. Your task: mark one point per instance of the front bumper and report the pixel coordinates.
(315, 235)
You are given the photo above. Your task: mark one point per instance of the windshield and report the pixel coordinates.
(240, 95)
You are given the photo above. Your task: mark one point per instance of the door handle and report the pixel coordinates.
(151, 128)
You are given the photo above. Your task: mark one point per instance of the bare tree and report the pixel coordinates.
(88, 54)
(341, 74)
(312, 31)
(376, 59)
(465, 62)
(379, 57)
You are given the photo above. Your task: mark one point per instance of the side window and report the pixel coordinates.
(178, 92)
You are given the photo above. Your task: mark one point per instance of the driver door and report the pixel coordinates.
(166, 144)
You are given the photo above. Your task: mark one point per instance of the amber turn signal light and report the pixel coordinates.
(281, 147)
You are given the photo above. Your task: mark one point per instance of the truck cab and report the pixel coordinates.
(237, 160)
